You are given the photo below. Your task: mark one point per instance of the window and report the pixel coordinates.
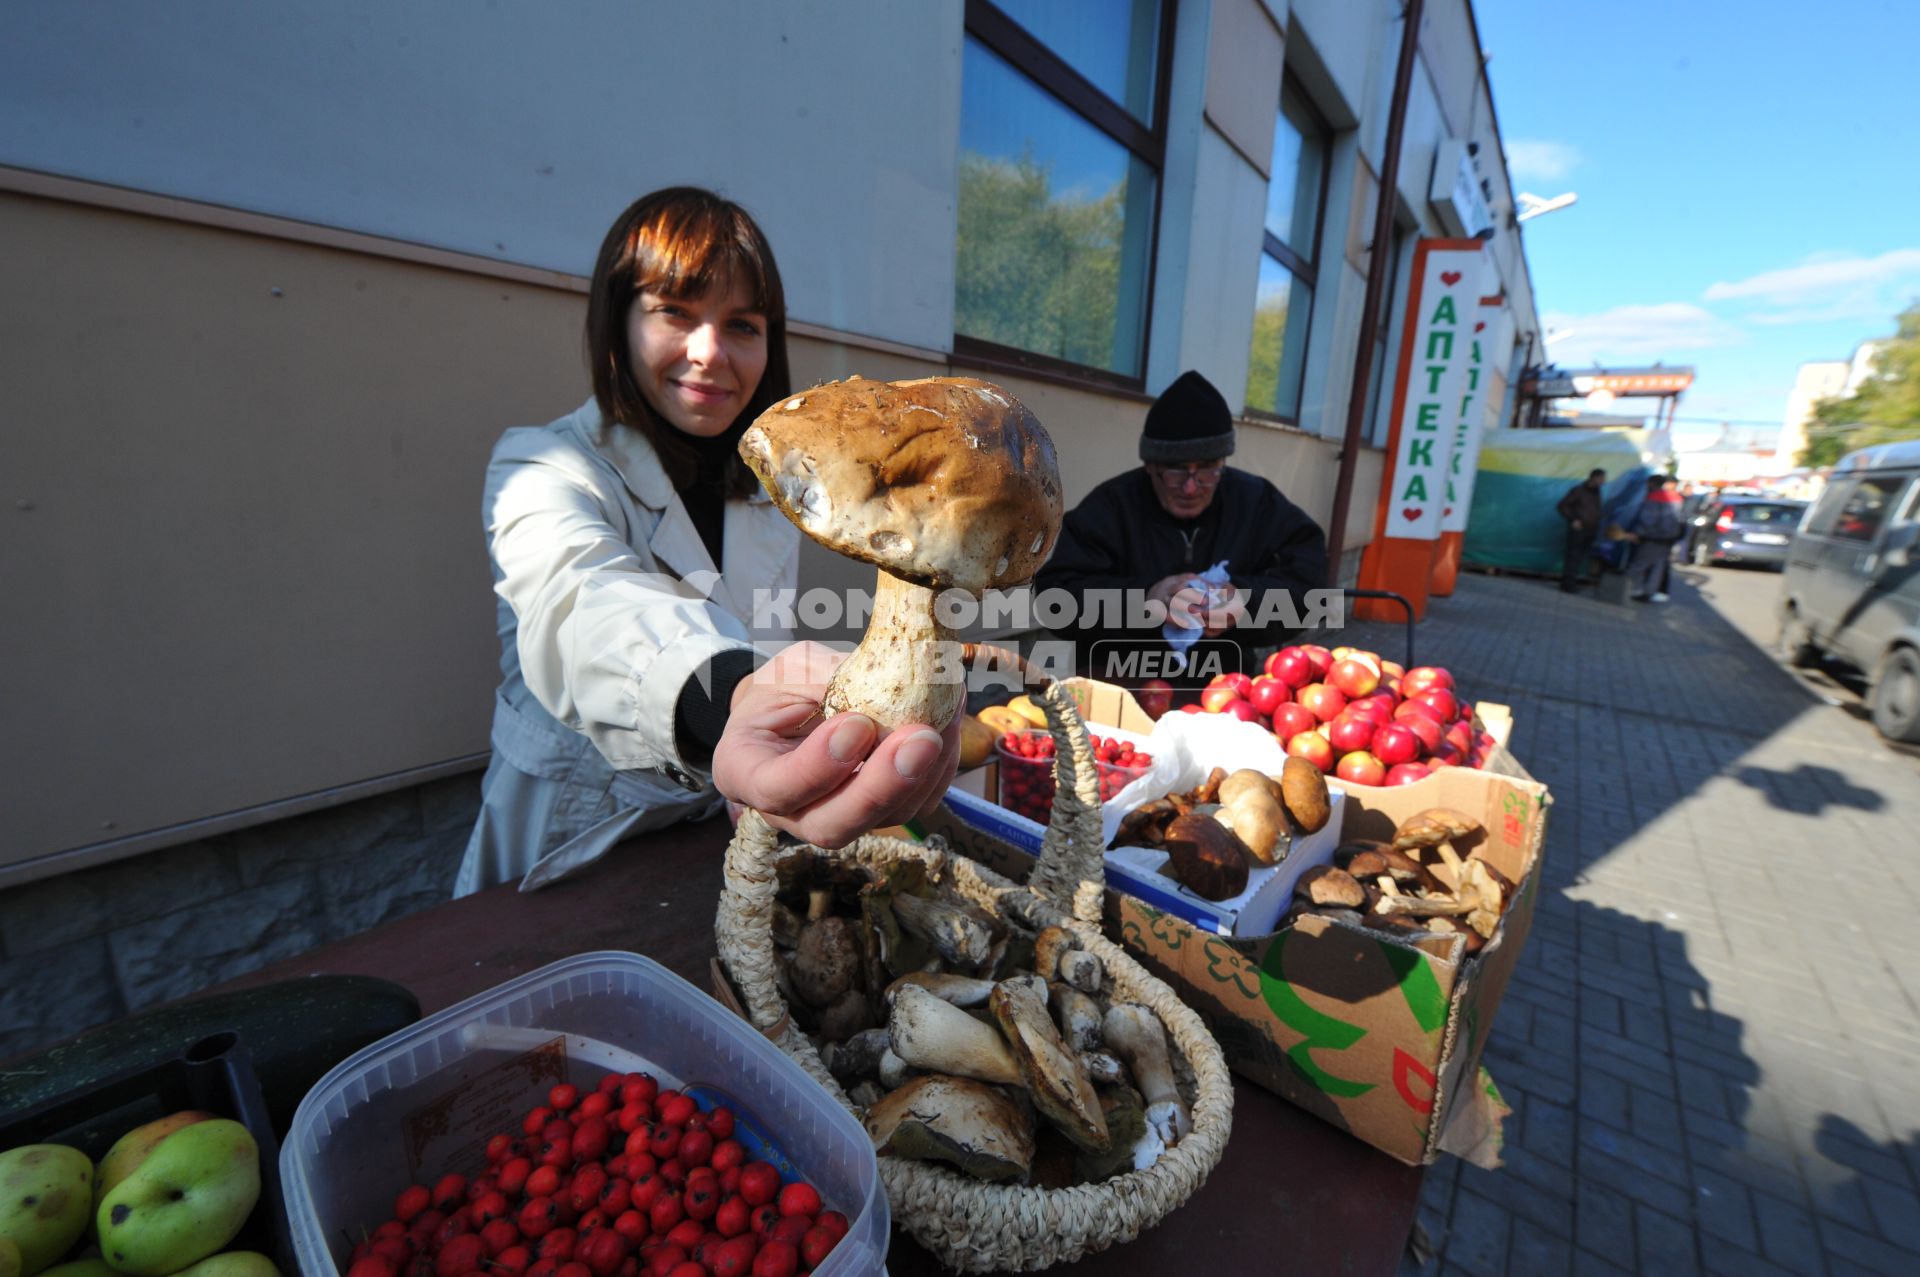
(1866, 508)
(1296, 199)
(1061, 143)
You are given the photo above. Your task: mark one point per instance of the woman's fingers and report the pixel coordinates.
(773, 762)
(892, 786)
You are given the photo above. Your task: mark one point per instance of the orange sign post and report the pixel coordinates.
(1434, 355)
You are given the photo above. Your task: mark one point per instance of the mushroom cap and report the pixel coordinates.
(943, 481)
(1059, 1085)
(954, 1119)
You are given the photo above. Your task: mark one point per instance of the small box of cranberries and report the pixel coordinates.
(599, 1117)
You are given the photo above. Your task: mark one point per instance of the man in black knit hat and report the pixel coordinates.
(1159, 528)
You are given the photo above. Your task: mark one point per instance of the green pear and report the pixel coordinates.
(132, 1148)
(9, 1257)
(39, 1186)
(231, 1263)
(94, 1267)
(188, 1198)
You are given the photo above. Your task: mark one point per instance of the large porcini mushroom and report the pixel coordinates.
(1134, 1033)
(1303, 789)
(954, 1119)
(1206, 857)
(941, 1038)
(941, 483)
(1250, 805)
(1060, 1087)
(826, 961)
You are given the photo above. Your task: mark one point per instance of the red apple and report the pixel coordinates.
(1321, 658)
(1191, 708)
(1377, 707)
(1396, 743)
(1215, 700)
(1354, 677)
(1417, 709)
(1155, 697)
(1361, 768)
(1422, 677)
(1407, 773)
(1313, 747)
(1289, 720)
(1442, 702)
(1268, 692)
(1460, 736)
(1391, 669)
(1430, 733)
(1291, 666)
(1322, 701)
(1445, 756)
(1350, 732)
(1243, 710)
(1240, 683)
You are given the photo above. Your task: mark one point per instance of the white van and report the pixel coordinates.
(1852, 585)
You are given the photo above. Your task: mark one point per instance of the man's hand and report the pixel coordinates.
(1578, 526)
(1184, 596)
(825, 780)
(1223, 616)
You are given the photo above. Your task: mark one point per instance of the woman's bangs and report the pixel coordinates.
(685, 257)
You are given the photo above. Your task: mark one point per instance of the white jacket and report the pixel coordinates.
(607, 603)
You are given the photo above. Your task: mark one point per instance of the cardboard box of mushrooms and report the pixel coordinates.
(1371, 1003)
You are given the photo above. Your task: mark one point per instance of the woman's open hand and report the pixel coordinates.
(825, 780)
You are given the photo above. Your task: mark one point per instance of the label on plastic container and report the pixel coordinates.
(450, 1131)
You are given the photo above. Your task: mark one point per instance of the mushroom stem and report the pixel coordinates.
(1134, 1034)
(952, 933)
(906, 669)
(941, 1038)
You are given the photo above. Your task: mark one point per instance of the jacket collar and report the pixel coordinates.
(631, 454)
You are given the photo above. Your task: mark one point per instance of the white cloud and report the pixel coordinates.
(1633, 334)
(1538, 160)
(1827, 288)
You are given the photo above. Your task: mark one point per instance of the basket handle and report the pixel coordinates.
(1071, 873)
(743, 935)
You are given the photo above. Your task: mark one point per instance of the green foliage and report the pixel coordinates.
(1038, 271)
(1269, 344)
(1885, 408)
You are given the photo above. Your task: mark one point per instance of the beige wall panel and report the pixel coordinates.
(1244, 56)
(243, 558)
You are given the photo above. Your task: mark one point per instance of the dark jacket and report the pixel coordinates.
(1658, 518)
(1581, 503)
(1121, 538)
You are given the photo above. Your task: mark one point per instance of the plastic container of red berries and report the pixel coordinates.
(1026, 769)
(430, 1111)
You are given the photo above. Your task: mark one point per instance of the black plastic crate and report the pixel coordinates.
(214, 1074)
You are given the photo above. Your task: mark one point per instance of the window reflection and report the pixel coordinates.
(1279, 340)
(1055, 220)
(1113, 43)
(1299, 165)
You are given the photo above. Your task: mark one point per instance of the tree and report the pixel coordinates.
(1038, 270)
(1884, 408)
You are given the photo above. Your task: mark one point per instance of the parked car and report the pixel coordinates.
(1852, 587)
(1743, 530)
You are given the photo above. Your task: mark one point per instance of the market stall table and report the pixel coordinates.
(1292, 1194)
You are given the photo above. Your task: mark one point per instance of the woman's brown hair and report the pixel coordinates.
(680, 242)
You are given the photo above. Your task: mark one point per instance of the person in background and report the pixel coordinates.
(1580, 507)
(626, 540)
(1653, 529)
(1158, 528)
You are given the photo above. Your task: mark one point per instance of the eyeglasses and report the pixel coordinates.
(1176, 477)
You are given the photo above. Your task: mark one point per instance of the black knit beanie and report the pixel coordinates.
(1190, 421)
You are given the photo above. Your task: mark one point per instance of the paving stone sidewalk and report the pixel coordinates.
(1710, 1041)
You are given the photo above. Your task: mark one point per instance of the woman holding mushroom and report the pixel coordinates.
(627, 539)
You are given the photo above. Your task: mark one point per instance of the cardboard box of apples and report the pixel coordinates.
(1355, 715)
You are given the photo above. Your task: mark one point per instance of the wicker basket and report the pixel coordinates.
(971, 1225)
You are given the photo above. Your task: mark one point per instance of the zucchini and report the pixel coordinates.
(294, 1030)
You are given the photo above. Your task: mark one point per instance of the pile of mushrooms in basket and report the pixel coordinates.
(960, 1035)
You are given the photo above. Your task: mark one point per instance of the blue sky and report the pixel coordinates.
(1749, 182)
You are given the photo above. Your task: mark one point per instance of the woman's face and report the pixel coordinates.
(698, 359)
